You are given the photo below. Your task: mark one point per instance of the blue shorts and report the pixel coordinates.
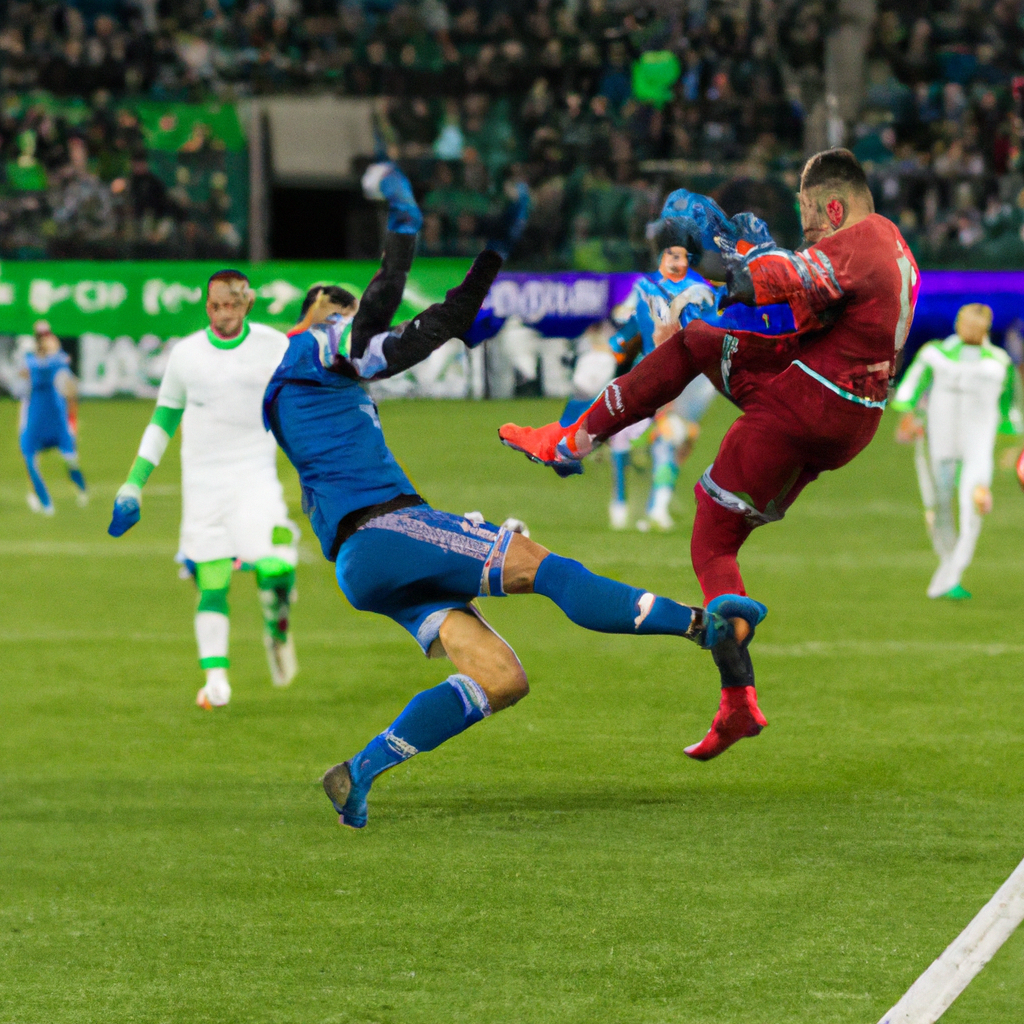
(34, 439)
(417, 564)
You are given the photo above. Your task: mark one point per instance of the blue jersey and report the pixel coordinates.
(327, 425)
(45, 410)
(695, 298)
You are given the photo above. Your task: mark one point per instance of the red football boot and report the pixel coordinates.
(551, 445)
(738, 717)
(1020, 469)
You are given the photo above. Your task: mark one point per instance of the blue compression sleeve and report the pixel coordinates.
(606, 606)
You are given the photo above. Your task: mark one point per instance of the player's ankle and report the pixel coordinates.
(579, 442)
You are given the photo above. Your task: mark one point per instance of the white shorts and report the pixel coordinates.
(245, 518)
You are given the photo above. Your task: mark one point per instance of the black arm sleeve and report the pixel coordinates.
(403, 348)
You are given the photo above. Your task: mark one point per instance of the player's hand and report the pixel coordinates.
(909, 429)
(127, 510)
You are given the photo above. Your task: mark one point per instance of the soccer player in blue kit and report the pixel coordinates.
(45, 419)
(397, 556)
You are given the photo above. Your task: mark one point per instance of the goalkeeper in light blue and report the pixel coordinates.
(396, 555)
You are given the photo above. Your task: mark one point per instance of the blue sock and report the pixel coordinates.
(32, 464)
(77, 479)
(620, 463)
(606, 606)
(429, 719)
(404, 215)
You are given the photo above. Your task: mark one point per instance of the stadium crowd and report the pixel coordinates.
(599, 105)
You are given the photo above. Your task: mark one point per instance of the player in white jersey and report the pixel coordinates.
(966, 387)
(233, 508)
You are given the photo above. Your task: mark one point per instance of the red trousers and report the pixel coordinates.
(792, 429)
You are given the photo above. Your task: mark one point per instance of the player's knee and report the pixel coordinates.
(522, 560)
(506, 684)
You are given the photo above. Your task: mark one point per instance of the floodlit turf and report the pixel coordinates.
(563, 862)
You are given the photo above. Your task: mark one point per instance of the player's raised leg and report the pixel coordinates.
(213, 580)
(655, 381)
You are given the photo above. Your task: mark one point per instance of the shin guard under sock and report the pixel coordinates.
(429, 719)
(607, 606)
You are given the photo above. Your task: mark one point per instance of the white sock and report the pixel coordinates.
(212, 635)
(660, 500)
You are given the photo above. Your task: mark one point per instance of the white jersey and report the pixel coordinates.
(231, 496)
(970, 393)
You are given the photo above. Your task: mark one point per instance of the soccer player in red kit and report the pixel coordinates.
(811, 400)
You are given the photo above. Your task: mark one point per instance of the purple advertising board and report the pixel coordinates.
(563, 305)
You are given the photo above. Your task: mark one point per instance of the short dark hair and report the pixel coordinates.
(338, 296)
(834, 168)
(226, 275)
(681, 231)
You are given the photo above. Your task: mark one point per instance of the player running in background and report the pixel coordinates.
(233, 506)
(397, 556)
(49, 416)
(676, 293)
(968, 388)
(812, 400)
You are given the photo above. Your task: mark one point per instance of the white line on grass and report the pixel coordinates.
(883, 648)
(323, 638)
(109, 549)
(934, 992)
(58, 636)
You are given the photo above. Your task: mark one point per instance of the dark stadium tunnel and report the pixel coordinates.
(323, 223)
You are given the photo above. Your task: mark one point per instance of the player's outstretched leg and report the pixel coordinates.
(213, 580)
(652, 383)
(275, 583)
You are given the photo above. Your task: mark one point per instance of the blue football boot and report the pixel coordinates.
(347, 793)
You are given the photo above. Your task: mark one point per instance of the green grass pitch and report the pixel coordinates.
(563, 862)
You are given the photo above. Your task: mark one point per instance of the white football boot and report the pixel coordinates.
(37, 506)
(618, 515)
(217, 691)
(658, 515)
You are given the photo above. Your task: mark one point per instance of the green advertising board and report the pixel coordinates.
(127, 315)
(166, 299)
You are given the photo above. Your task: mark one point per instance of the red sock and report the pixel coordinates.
(655, 380)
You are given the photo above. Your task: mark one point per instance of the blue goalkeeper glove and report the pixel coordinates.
(127, 510)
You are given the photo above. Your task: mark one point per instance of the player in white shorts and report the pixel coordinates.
(966, 386)
(233, 508)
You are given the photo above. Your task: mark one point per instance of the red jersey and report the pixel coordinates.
(853, 296)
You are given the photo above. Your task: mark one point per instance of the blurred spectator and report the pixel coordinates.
(593, 102)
